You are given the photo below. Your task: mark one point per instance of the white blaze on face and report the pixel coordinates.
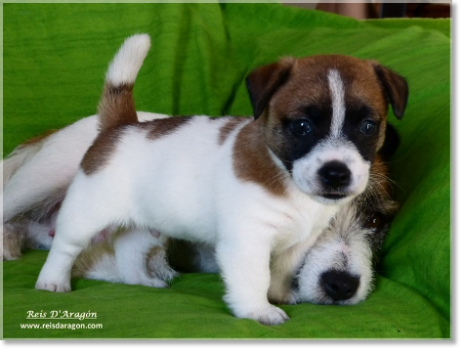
(335, 147)
(338, 104)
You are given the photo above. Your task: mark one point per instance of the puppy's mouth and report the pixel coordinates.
(333, 196)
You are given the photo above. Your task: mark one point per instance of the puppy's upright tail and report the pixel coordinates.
(117, 106)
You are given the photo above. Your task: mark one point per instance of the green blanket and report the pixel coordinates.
(55, 57)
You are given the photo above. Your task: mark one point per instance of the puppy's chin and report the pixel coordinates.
(327, 197)
(332, 198)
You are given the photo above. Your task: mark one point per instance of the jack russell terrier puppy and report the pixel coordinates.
(260, 192)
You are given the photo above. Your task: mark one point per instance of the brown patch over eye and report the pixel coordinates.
(161, 127)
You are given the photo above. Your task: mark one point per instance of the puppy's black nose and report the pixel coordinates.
(339, 285)
(335, 175)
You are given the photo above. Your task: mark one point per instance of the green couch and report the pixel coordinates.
(55, 57)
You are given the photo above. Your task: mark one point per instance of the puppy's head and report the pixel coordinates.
(324, 118)
(339, 268)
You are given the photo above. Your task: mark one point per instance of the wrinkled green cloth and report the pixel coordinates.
(55, 57)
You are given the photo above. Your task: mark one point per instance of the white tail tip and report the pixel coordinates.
(124, 68)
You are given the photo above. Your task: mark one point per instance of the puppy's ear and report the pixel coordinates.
(396, 88)
(263, 82)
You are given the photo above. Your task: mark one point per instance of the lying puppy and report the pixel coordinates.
(265, 189)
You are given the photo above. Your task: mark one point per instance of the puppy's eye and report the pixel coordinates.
(374, 221)
(368, 127)
(301, 126)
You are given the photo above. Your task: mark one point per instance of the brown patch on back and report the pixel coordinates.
(101, 150)
(117, 106)
(99, 154)
(252, 161)
(161, 127)
(229, 127)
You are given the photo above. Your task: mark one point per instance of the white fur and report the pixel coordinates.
(338, 103)
(126, 64)
(61, 168)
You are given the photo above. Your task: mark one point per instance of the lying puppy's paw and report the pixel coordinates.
(269, 315)
(158, 266)
(281, 294)
(152, 282)
(286, 298)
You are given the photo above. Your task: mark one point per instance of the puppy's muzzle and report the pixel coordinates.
(335, 177)
(339, 285)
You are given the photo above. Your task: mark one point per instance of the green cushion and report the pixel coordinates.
(55, 57)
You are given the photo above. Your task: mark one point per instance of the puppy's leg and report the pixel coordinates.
(244, 259)
(84, 213)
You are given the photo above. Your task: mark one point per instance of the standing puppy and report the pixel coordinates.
(260, 191)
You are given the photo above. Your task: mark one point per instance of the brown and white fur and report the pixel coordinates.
(261, 192)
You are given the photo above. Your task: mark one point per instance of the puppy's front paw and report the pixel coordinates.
(52, 282)
(53, 286)
(268, 315)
